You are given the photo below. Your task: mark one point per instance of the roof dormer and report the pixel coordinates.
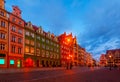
(16, 11)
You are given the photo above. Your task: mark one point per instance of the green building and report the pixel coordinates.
(42, 49)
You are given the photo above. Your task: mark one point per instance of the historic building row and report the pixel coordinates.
(23, 44)
(111, 58)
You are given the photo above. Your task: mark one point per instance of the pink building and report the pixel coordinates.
(16, 38)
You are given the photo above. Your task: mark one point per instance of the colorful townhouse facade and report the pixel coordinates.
(3, 35)
(23, 44)
(42, 49)
(103, 60)
(16, 38)
(113, 57)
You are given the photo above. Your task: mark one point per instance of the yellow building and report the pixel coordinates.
(3, 35)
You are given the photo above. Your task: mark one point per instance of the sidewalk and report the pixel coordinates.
(18, 70)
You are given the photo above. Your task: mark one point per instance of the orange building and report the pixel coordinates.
(16, 38)
(103, 60)
(3, 35)
(66, 51)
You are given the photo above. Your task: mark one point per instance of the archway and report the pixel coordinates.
(28, 62)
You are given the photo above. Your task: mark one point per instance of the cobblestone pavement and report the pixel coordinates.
(79, 74)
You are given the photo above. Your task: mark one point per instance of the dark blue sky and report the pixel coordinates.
(96, 23)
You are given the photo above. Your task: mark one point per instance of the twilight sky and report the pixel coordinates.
(96, 23)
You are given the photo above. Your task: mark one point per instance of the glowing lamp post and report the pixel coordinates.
(110, 61)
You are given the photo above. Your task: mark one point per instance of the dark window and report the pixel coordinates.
(19, 40)
(13, 28)
(19, 50)
(13, 39)
(2, 46)
(2, 24)
(1, 13)
(2, 35)
(13, 49)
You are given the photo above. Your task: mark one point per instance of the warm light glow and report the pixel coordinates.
(110, 56)
(68, 40)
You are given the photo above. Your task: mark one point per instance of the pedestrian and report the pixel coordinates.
(71, 65)
(67, 65)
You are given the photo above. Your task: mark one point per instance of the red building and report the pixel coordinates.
(65, 48)
(16, 38)
(103, 60)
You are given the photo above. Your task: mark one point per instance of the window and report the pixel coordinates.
(2, 35)
(27, 33)
(13, 39)
(19, 40)
(19, 50)
(2, 61)
(47, 47)
(32, 34)
(2, 24)
(20, 22)
(32, 50)
(47, 54)
(12, 62)
(13, 28)
(43, 53)
(13, 49)
(43, 46)
(43, 40)
(38, 52)
(47, 41)
(27, 49)
(20, 31)
(13, 19)
(1, 13)
(38, 44)
(32, 43)
(27, 41)
(38, 37)
(2, 46)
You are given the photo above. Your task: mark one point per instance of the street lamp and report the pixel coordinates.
(110, 61)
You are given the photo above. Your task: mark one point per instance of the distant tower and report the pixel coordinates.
(2, 4)
(16, 11)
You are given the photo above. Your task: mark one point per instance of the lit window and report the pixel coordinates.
(32, 42)
(38, 52)
(2, 46)
(27, 41)
(27, 49)
(32, 50)
(2, 61)
(12, 62)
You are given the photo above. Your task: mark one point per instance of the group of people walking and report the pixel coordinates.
(69, 65)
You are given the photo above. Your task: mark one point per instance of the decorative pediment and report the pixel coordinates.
(29, 25)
